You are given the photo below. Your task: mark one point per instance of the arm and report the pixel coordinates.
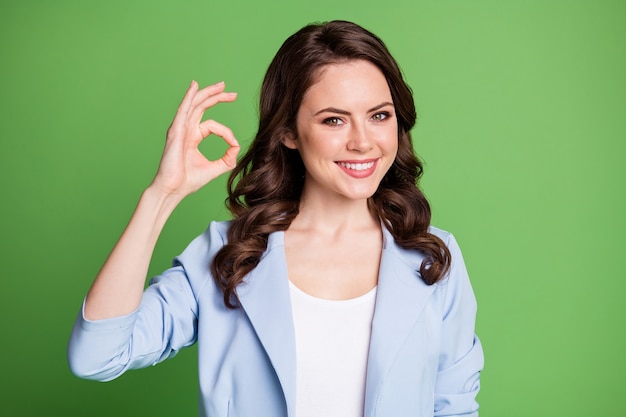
(118, 287)
(461, 359)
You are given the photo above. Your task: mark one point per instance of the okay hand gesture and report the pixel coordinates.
(183, 168)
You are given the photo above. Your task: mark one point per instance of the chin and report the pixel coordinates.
(362, 194)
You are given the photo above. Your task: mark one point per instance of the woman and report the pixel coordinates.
(329, 293)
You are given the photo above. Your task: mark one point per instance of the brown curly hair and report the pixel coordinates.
(264, 189)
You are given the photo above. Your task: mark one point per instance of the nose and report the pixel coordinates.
(360, 139)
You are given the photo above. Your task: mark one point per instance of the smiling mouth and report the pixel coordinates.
(359, 166)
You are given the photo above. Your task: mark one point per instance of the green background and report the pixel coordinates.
(522, 124)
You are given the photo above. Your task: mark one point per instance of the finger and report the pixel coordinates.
(211, 126)
(184, 106)
(227, 162)
(208, 91)
(198, 111)
(229, 159)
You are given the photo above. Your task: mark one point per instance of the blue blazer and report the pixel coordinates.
(424, 359)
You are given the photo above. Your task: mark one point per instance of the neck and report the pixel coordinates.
(334, 215)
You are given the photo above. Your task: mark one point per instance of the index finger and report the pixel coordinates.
(211, 126)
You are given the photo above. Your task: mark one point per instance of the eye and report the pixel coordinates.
(332, 121)
(379, 117)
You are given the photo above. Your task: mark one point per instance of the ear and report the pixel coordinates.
(289, 140)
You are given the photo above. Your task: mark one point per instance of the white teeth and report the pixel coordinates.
(358, 166)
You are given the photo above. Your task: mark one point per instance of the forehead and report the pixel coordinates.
(348, 81)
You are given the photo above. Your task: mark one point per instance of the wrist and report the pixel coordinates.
(156, 198)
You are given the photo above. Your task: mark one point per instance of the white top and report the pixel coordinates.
(332, 344)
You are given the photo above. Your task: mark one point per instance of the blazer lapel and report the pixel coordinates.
(265, 298)
(400, 300)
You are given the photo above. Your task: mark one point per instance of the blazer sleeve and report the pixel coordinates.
(164, 323)
(461, 358)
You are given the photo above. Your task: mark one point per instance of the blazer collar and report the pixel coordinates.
(400, 300)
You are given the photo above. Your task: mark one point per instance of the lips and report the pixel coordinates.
(358, 169)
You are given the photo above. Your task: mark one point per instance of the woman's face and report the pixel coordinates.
(347, 131)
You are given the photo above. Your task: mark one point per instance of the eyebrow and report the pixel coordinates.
(347, 113)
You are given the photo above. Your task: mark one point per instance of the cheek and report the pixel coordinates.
(322, 143)
(391, 147)
(392, 139)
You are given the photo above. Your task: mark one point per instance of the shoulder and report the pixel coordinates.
(456, 282)
(414, 258)
(450, 241)
(217, 232)
(444, 235)
(412, 255)
(201, 250)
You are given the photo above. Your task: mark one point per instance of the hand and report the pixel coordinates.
(183, 168)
